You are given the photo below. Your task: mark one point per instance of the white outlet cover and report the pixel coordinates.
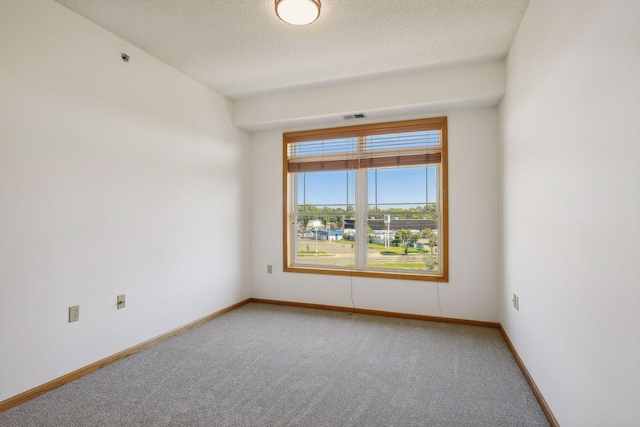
(74, 313)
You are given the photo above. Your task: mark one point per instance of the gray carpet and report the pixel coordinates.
(263, 365)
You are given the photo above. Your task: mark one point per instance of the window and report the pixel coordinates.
(367, 200)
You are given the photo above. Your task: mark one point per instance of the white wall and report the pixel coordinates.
(570, 126)
(472, 291)
(419, 93)
(114, 178)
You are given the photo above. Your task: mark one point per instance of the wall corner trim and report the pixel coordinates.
(71, 376)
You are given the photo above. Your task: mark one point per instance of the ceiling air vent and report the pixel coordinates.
(355, 116)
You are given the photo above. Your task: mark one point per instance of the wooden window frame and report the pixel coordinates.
(437, 123)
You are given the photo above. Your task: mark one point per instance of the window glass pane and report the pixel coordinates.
(333, 190)
(403, 218)
(326, 240)
(432, 185)
(403, 241)
(399, 188)
(326, 220)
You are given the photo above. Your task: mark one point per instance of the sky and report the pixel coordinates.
(395, 186)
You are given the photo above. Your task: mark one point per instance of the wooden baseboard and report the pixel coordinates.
(53, 384)
(380, 313)
(534, 388)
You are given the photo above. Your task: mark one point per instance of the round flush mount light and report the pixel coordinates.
(298, 12)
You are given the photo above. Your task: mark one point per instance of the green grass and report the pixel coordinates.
(394, 250)
(391, 250)
(412, 265)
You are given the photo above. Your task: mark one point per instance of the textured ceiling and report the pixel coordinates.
(240, 47)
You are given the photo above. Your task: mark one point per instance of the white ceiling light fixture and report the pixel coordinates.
(298, 12)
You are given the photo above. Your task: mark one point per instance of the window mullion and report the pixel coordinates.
(293, 218)
(361, 218)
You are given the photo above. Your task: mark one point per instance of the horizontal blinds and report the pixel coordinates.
(411, 160)
(321, 165)
(393, 149)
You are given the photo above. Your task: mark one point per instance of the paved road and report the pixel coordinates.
(344, 254)
(344, 259)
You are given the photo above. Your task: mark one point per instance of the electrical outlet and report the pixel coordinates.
(269, 268)
(74, 313)
(121, 302)
(516, 302)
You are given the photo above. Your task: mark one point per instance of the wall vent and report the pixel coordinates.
(355, 116)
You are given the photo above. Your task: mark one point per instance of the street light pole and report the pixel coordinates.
(387, 221)
(316, 240)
